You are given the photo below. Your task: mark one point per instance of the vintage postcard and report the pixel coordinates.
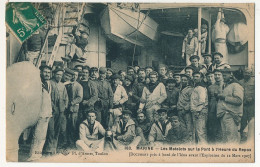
(130, 82)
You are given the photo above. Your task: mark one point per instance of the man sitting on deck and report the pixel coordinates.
(89, 131)
(160, 128)
(124, 131)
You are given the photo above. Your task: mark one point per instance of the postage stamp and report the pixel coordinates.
(23, 19)
(131, 82)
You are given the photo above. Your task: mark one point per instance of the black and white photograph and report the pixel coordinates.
(130, 82)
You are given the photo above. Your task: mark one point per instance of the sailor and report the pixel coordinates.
(248, 84)
(152, 97)
(139, 85)
(79, 68)
(159, 129)
(75, 94)
(142, 128)
(196, 65)
(177, 80)
(218, 61)
(199, 109)
(172, 95)
(110, 72)
(131, 72)
(40, 130)
(148, 70)
(124, 131)
(56, 135)
(178, 134)
(130, 104)
(188, 71)
(213, 125)
(208, 62)
(90, 95)
(89, 132)
(119, 98)
(230, 107)
(105, 97)
(189, 46)
(162, 73)
(210, 78)
(183, 104)
(204, 36)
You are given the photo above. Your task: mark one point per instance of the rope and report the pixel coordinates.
(138, 23)
(133, 57)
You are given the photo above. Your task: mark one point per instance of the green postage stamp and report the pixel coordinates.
(23, 19)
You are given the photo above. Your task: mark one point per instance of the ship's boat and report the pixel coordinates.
(121, 25)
